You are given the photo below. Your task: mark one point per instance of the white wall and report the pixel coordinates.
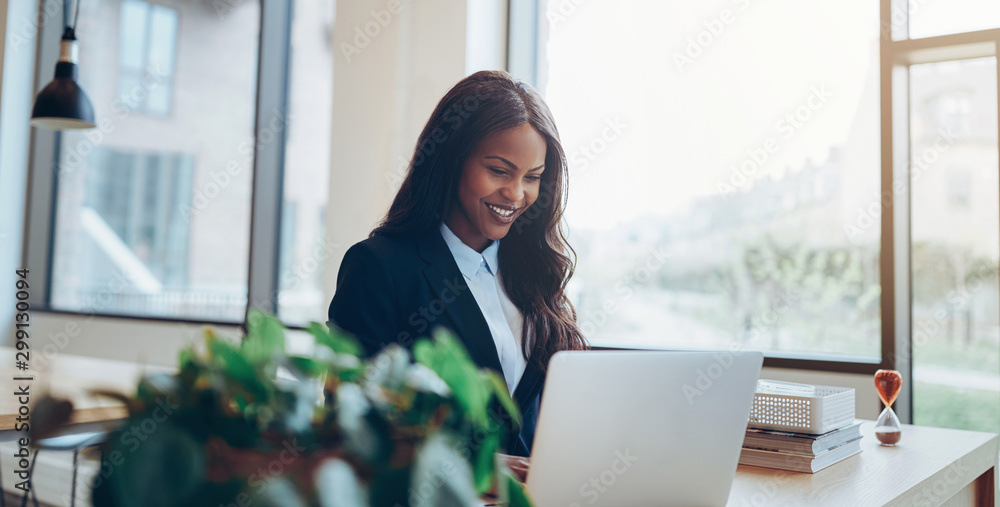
(3, 37)
(142, 341)
(386, 83)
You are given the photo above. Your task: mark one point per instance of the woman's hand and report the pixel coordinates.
(517, 464)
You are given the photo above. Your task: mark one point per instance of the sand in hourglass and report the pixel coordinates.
(887, 383)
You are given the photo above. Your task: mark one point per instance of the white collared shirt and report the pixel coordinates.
(481, 273)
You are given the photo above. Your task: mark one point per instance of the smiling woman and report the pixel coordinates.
(474, 243)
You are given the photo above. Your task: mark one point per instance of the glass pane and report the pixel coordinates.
(722, 180)
(956, 236)
(937, 17)
(158, 101)
(129, 87)
(162, 39)
(132, 34)
(153, 213)
(304, 245)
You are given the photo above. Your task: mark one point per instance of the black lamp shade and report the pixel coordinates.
(62, 104)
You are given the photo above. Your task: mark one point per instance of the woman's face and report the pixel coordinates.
(499, 180)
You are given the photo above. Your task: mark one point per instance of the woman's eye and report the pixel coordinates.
(534, 178)
(500, 172)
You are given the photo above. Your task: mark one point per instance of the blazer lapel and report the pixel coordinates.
(446, 280)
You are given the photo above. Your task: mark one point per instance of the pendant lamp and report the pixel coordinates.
(62, 104)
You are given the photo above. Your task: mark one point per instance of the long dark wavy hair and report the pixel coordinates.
(535, 258)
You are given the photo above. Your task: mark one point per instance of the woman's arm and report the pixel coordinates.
(363, 304)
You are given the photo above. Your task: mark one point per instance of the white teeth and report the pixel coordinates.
(500, 211)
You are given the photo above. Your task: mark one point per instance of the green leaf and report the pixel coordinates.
(237, 367)
(446, 356)
(449, 344)
(484, 462)
(185, 356)
(265, 337)
(308, 366)
(425, 354)
(517, 495)
(351, 375)
(336, 340)
(500, 390)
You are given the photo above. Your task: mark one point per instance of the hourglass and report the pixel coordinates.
(887, 383)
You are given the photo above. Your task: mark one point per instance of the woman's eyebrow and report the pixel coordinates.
(511, 164)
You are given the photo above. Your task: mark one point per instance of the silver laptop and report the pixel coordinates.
(637, 428)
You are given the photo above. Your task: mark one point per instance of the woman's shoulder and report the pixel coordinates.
(388, 248)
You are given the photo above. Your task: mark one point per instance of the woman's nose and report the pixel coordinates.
(513, 191)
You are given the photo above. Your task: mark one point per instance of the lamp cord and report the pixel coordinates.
(70, 30)
(76, 16)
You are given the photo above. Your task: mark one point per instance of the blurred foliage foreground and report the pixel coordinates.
(250, 424)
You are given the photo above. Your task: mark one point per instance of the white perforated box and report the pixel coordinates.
(825, 409)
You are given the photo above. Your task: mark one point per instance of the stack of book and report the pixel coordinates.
(800, 452)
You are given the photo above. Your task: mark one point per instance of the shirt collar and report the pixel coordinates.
(466, 257)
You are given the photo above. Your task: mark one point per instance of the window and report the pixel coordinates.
(954, 243)
(718, 172)
(139, 198)
(928, 18)
(131, 225)
(952, 110)
(203, 189)
(305, 246)
(153, 207)
(147, 46)
(959, 187)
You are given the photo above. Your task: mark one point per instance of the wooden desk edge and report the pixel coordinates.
(982, 462)
(81, 417)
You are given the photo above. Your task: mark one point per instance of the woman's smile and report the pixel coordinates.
(503, 214)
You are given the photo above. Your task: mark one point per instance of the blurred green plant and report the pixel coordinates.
(250, 424)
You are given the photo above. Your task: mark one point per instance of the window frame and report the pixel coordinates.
(274, 60)
(895, 56)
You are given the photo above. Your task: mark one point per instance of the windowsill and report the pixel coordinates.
(790, 360)
(130, 339)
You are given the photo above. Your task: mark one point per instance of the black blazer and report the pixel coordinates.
(395, 290)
